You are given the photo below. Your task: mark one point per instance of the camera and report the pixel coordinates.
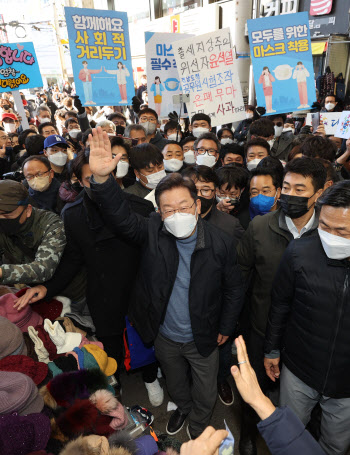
(17, 176)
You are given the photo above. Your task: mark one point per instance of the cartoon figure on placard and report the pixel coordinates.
(85, 77)
(300, 73)
(157, 88)
(266, 80)
(122, 73)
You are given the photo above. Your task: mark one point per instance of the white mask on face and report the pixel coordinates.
(334, 246)
(174, 137)
(248, 115)
(181, 225)
(271, 142)
(199, 131)
(173, 165)
(278, 130)
(44, 120)
(40, 183)
(74, 133)
(9, 127)
(154, 179)
(226, 140)
(330, 106)
(206, 160)
(149, 127)
(289, 128)
(189, 157)
(59, 158)
(253, 164)
(122, 169)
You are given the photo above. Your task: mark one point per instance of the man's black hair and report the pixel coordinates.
(337, 195)
(40, 158)
(171, 125)
(172, 181)
(220, 132)
(275, 116)
(85, 135)
(319, 147)
(274, 164)
(148, 110)
(257, 141)
(331, 172)
(23, 136)
(235, 149)
(263, 127)
(186, 140)
(201, 117)
(201, 173)
(72, 114)
(69, 121)
(234, 176)
(42, 125)
(308, 167)
(116, 114)
(142, 155)
(277, 178)
(35, 144)
(117, 140)
(77, 164)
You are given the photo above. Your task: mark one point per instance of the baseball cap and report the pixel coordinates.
(12, 195)
(55, 139)
(8, 115)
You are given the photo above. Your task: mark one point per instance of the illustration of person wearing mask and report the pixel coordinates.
(85, 77)
(266, 80)
(122, 73)
(300, 73)
(157, 88)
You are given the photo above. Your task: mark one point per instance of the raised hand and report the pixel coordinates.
(101, 160)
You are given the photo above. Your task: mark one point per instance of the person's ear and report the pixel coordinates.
(199, 206)
(222, 162)
(278, 193)
(190, 128)
(319, 193)
(137, 174)
(209, 128)
(328, 184)
(29, 210)
(45, 152)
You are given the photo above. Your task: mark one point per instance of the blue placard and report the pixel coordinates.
(280, 49)
(19, 68)
(101, 57)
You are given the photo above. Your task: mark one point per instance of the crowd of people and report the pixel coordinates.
(198, 236)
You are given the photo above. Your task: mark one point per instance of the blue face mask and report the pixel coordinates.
(260, 205)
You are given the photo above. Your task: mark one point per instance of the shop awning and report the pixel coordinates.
(318, 47)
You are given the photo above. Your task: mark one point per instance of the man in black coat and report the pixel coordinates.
(309, 322)
(188, 292)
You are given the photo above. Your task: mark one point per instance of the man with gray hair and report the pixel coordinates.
(43, 114)
(207, 149)
(137, 132)
(107, 126)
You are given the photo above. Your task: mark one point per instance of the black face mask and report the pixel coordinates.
(17, 149)
(206, 204)
(6, 107)
(295, 206)
(10, 226)
(76, 187)
(120, 130)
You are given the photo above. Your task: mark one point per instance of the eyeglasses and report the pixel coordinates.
(148, 119)
(206, 192)
(182, 210)
(39, 174)
(202, 151)
(264, 192)
(3, 136)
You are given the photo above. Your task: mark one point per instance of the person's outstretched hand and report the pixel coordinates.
(173, 116)
(207, 443)
(101, 160)
(247, 383)
(32, 295)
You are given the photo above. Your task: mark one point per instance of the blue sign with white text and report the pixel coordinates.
(280, 50)
(101, 57)
(19, 68)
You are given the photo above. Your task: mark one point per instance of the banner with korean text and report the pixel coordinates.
(162, 76)
(101, 58)
(208, 72)
(19, 68)
(280, 50)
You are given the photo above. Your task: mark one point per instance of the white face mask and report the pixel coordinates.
(40, 183)
(252, 164)
(271, 142)
(9, 127)
(278, 130)
(289, 128)
(149, 127)
(189, 157)
(330, 106)
(248, 115)
(59, 158)
(181, 225)
(173, 165)
(174, 137)
(334, 246)
(74, 133)
(122, 169)
(226, 140)
(199, 131)
(44, 120)
(154, 179)
(206, 160)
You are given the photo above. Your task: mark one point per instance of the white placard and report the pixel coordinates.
(330, 121)
(343, 129)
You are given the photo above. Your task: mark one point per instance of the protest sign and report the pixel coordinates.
(208, 72)
(330, 121)
(19, 67)
(343, 129)
(162, 76)
(101, 59)
(280, 50)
